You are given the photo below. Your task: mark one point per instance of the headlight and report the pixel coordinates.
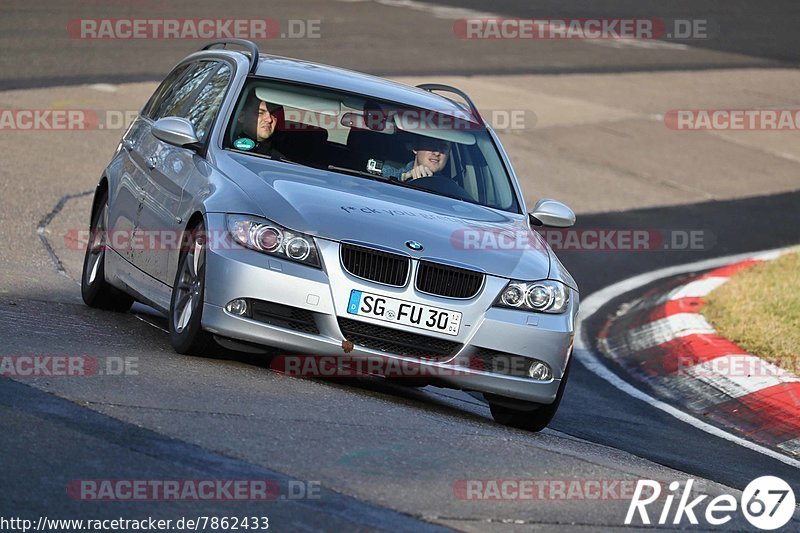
(266, 236)
(546, 296)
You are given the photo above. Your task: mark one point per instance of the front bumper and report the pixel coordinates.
(234, 272)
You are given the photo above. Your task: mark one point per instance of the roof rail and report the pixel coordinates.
(447, 88)
(250, 45)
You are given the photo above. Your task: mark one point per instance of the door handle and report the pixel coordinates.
(151, 162)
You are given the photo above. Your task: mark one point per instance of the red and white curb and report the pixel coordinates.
(661, 339)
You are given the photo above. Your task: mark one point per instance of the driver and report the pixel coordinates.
(430, 158)
(262, 122)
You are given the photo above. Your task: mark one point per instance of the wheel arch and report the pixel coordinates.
(175, 257)
(102, 187)
(194, 218)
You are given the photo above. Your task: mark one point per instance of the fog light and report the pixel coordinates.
(237, 307)
(540, 371)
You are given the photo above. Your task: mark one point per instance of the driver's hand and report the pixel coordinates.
(419, 171)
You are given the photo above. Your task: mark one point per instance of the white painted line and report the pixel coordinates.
(638, 43)
(442, 12)
(698, 288)
(585, 354)
(770, 255)
(104, 87)
(791, 446)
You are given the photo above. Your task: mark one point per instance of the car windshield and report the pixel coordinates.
(356, 135)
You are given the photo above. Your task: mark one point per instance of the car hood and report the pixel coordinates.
(341, 207)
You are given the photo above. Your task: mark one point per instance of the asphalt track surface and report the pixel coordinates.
(47, 441)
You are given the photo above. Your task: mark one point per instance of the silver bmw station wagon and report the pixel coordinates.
(260, 201)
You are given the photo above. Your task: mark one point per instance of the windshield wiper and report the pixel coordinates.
(284, 160)
(357, 173)
(281, 159)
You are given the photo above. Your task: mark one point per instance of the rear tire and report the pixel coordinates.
(186, 305)
(531, 417)
(95, 290)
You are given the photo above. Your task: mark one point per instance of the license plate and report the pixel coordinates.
(402, 312)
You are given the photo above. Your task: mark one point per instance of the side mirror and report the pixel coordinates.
(552, 213)
(176, 131)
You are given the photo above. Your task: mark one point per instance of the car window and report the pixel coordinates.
(164, 89)
(451, 154)
(181, 93)
(203, 110)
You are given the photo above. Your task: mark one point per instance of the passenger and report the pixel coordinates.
(262, 122)
(430, 158)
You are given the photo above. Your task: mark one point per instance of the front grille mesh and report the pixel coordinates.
(397, 342)
(447, 281)
(283, 316)
(375, 265)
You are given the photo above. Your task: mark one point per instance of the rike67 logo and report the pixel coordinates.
(768, 503)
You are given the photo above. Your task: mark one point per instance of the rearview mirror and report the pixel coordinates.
(176, 131)
(371, 123)
(552, 213)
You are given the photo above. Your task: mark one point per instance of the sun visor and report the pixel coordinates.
(298, 100)
(437, 126)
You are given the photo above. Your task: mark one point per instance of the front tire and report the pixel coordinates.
(95, 290)
(528, 415)
(186, 305)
